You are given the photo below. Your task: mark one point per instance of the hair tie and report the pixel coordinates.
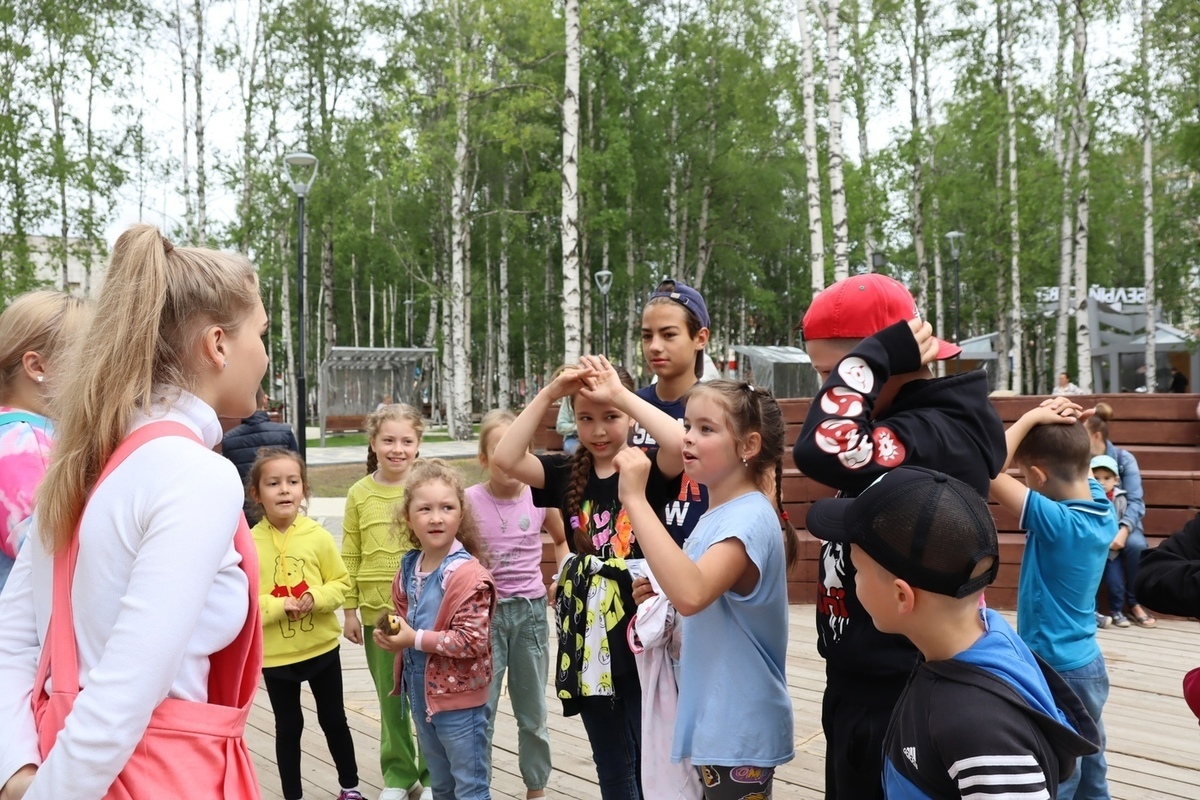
(783, 516)
(167, 246)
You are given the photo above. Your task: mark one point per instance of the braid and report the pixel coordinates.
(791, 543)
(372, 460)
(581, 470)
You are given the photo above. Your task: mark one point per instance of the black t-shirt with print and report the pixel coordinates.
(683, 509)
(603, 515)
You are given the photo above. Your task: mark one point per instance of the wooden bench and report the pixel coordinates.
(345, 423)
(1161, 430)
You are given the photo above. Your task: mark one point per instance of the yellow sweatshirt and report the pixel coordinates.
(302, 559)
(372, 545)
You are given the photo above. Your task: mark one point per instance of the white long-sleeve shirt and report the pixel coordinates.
(158, 589)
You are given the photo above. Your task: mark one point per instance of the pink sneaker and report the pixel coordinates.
(350, 794)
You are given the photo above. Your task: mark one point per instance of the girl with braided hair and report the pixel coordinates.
(595, 674)
(729, 582)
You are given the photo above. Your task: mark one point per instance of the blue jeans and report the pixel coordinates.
(1089, 781)
(520, 634)
(451, 743)
(614, 729)
(1120, 573)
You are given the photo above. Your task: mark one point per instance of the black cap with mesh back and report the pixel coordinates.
(925, 527)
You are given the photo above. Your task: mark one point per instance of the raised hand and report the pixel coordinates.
(922, 331)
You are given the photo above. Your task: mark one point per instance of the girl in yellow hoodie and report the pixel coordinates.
(303, 582)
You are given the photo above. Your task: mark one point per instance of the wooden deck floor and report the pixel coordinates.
(1153, 749)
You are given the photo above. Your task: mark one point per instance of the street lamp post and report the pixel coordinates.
(955, 239)
(294, 166)
(878, 261)
(604, 279)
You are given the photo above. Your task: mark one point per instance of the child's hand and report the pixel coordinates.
(306, 603)
(405, 637)
(633, 466)
(292, 607)
(605, 385)
(570, 381)
(642, 591)
(1119, 542)
(922, 331)
(352, 629)
(1054, 410)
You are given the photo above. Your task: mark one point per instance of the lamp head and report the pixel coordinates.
(604, 280)
(955, 238)
(295, 165)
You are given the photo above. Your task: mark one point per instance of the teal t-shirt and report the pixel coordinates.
(734, 708)
(1066, 548)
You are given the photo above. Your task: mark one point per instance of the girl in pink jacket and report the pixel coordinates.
(444, 599)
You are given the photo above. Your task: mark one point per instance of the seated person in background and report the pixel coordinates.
(242, 443)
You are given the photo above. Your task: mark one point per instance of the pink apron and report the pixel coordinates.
(189, 749)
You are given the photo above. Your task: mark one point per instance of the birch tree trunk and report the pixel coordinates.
(489, 342)
(354, 295)
(1065, 158)
(371, 313)
(858, 52)
(816, 230)
(837, 183)
(703, 245)
(289, 342)
(939, 283)
(181, 43)
(198, 83)
(918, 179)
(673, 185)
(572, 344)
(503, 367)
(329, 315)
(632, 318)
(1148, 205)
(1017, 330)
(458, 402)
(1083, 145)
(248, 83)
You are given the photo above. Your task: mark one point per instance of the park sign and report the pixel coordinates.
(1102, 294)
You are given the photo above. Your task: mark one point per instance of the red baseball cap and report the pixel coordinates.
(862, 306)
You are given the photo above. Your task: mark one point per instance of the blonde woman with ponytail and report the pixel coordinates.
(34, 332)
(130, 644)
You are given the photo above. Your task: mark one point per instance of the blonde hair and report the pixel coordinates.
(431, 470)
(393, 412)
(45, 322)
(493, 421)
(157, 303)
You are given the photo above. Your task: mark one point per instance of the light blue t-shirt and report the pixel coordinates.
(1066, 549)
(734, 708)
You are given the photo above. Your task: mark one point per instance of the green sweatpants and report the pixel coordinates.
(399, 761)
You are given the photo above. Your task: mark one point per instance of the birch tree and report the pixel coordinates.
(812, 177)
(571, 295)
(1016, 330)
(830, 19)
(1064, 155)
(1083, 147)
(917, 157)
(1148, 200)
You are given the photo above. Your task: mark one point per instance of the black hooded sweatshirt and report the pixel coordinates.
(947, 424)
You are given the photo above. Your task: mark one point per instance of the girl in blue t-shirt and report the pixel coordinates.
(730, 585)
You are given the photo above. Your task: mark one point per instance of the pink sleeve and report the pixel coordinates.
(24, 457)
(470, 631)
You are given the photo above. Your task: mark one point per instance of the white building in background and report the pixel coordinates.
(49, 266)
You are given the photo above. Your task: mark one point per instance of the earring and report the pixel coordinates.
(41, 378)
(224, 364)
(744, 462)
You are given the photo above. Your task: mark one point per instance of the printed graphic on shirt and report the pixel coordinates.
(831, 597)
(751, 774)
(842, 438)
(710, 776)
(1005, 775)
(911, 754)
(857, 374)
(889, 450)
(289, 582)
(609, 528)
(843, 401)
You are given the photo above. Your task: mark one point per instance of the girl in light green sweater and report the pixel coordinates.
(372, 551)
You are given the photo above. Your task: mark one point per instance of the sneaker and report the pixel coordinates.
(350, 794)
(1120, 620)
(427, 793)
(1103, 620)
(394, 794)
